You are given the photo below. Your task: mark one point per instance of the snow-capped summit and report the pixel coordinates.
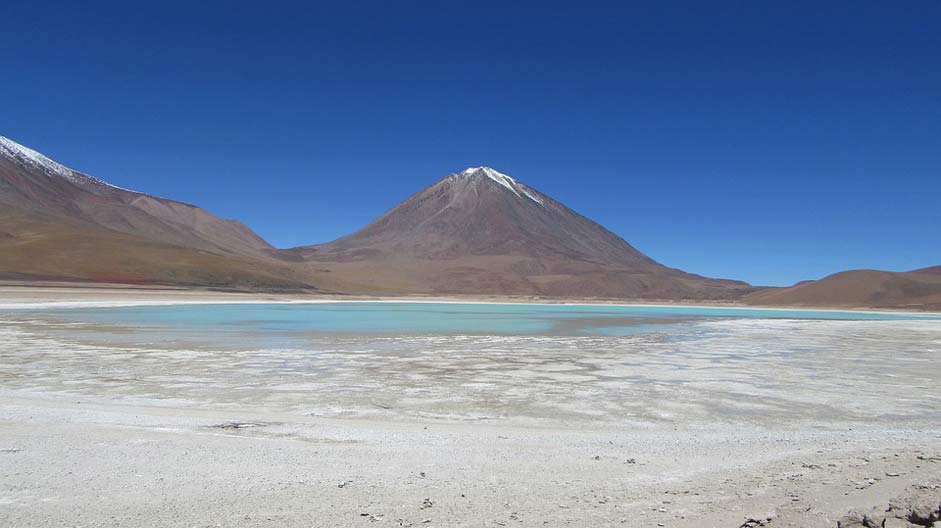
(13, 150)
(512, 185)
(35, 160)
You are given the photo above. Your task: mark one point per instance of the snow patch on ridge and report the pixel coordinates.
(29, 157)
(512, 185)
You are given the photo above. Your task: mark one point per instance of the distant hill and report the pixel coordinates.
(934, 270)
(859, 288)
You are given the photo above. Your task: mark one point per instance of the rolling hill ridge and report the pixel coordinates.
(60, 224)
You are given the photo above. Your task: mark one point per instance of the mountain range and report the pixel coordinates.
(474, 232)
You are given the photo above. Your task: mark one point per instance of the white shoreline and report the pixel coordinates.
(66, 304)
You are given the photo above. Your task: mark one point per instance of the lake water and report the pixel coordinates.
(434, 318)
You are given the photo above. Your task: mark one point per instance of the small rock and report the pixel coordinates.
(237, 425)
(925, 513)
(860, 520)
(754, 522)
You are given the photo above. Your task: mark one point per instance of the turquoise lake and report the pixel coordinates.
(433, 318)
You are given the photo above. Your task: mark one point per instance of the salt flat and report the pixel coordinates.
(701, 422)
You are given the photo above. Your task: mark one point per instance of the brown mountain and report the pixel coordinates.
(481, 231)
(35, 247)
(859, 288)
(36, 184)
(57, 223)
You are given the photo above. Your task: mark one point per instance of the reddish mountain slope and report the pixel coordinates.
(56, 223)
(37, 247)
(36, 184)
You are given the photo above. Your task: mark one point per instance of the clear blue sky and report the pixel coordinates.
(765, 141)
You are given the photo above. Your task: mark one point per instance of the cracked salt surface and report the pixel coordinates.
(734, 370)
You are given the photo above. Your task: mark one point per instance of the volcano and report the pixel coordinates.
(480, 231)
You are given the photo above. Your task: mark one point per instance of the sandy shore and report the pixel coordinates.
(15, 294)
(830, 417)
